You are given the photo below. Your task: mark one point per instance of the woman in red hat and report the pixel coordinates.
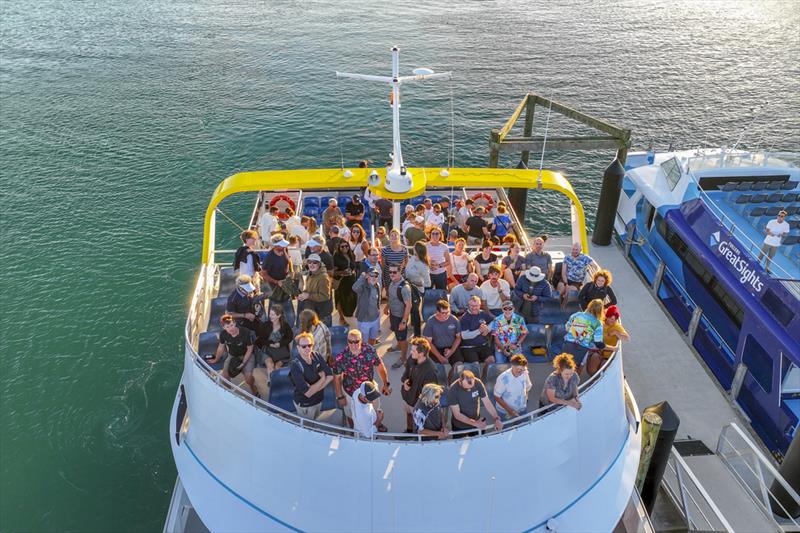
(613, 335)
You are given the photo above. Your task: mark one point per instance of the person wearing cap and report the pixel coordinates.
(511, 389)
(419, 371)
(366, 418)
(275, 266)
(309, 374)
(416, 232)
(476, 228)
(246, 261)
(465, 397)
(316, 245)
(530, 292)
(268, 224)
(476, 339)
(331, 215)
(237, 345)
(318, 294)
(368, 313)
(354, 211)
(598, 288)
(241, 303)
(444, 203)
(775, 231)
(495, 290)
(538, 257)
(383, 209)
(353, 366)
(509, 332)
(443, 331)
(613, 336)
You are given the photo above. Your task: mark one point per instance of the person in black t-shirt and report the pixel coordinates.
(354, 212)
(241, 303)
(310, 374)
(246, 261)
(239, 343)
(476, 227)
(333, 241)
(465, 397)
(383, 208)
(429, 417)
(419, 371)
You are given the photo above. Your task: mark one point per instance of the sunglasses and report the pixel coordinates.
(304, 346)
(353, 341)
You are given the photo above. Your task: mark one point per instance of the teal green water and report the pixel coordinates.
(117, 119)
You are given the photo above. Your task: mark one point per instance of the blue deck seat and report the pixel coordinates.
(537, 336)
(792, 210)
(343, 201)
(791, 240)
(311, 201)
(789, 197)
(417, 200)
(772, 211)
(757, 211)
(435, 198)
(774, 197)
(794, 224)
(788, 185)
(745, 186)
(227, 281)
(553, 314)
(730, 186)
(312, 212)
(758, 198)
(429, 300)
(207, 344)
(216, 311)
(774, 185)
(742, 199)
(323, 201)
(281, 390)
(474, 367)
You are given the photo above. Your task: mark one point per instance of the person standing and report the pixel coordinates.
(416, 232)
(393, 255)
(344, 275)
(476, 227)
(316, 246)
(367, 419)
(439, 260)
(317, 295)
(418, 275)
(398, 307)
(465, 397)
(368, 300)
(246, 261)
(501, 225)
(428, 416)
(309, 374)
(353, 366)
(512, 388)
(585, 332)
(241, 303)
(418, 372)
(775, 231)
(443, 331)
(330, 216)
(268, 225)
(276, 266)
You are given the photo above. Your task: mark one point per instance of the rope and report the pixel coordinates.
(339, 121)
(218, 210)
(452, 129)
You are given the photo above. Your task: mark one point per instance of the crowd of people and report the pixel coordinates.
(294, 279)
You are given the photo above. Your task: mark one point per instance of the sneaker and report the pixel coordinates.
(399, 363)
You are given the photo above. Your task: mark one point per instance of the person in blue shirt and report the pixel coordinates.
(585, 333)
(502, 222)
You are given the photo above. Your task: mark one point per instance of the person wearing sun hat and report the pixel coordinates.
(530, 292)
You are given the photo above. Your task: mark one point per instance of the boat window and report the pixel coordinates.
(775, 306)
(731, 307)
(672, 172)
(791, 378)
(648, 213)
(759, 363)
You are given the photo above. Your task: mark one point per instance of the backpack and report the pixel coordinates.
(415, 296)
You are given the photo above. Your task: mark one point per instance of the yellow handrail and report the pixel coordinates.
(422, 178)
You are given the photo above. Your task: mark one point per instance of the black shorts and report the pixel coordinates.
(394, 325)
(455, 357)
(476, 354)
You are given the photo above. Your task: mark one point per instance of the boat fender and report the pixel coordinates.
(282, 210)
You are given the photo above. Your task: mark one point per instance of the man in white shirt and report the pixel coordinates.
(495, 291)
(268, 225)
(776, 230)
(511, 389)
(365, 418)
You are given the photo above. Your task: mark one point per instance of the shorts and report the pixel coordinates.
(577, 284)
(348, 406)
(369, 330)
(577, 351)
(455, 357)
(248, 367)
(394, 324)
(476, 354)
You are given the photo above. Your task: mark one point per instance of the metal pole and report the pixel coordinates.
(694, 322)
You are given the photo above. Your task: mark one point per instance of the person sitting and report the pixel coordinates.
(443, 331)
(460, 262)
(241, 303)
(310, 323)
(476, 228)
(585, 332)
(573, 271)
(509, 332)
(465, 396)
(294, 253)
(598, 288)
(354, 211)
(511, 389)
(461, 294)
(485, 259)
(368, 301)
(538, 257)
(246, 260)
(268, 225)
(366, 417)
(613, 336)
(419, 371)
(561, 386)
(435, 217)
(330, 216)
(316, 245)
(353, 366)
(495, 290)
(294, 224)
(501, 225)
(531, 290)
(318, 294)
(416, 232)
(476, 339)
(309, 374)
(418, 275)
(239, 342)
(452, 228)
(513, 264)
(273, 337)
(428, 415)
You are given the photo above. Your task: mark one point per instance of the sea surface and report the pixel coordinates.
(118, 119)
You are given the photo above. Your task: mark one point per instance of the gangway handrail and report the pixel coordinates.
(763, 496)
(682, 496)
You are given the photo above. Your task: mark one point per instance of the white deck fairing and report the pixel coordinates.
(248, 470)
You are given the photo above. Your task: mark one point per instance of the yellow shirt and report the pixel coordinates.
(609, 339)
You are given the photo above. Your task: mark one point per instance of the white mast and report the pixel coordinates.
(398, 179)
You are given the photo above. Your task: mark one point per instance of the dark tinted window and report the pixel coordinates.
(778, 309)
(759, 363)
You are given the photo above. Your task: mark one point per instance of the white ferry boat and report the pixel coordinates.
(249, 463)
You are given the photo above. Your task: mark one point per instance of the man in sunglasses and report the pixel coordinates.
(353, 366)
(398, 307)
(465, 397)
(309, 374)
(443, 332)
(368, 307)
